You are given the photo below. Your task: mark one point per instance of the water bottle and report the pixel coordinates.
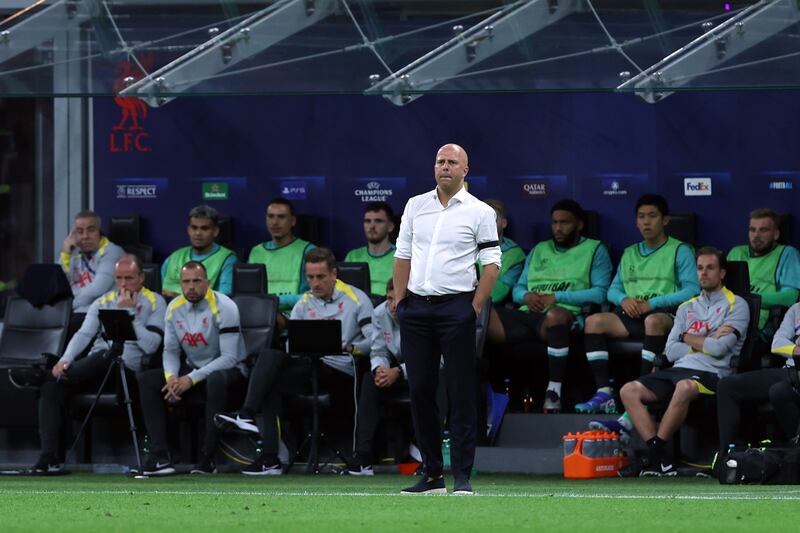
(605, 445)
(446, 449)
(570, 441)
(589, 445)
(615, 451)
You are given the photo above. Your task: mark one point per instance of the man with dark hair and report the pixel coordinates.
(203, 325)
(709, 330)
(559, 276)
(283, 256)
(71, 374)
(654, 276)
(379, 252)
(275, 373)
(774, 268)
(512, 257)
(776, 385)
(88, 260)
(217, 260)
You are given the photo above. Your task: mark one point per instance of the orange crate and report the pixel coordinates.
(578, 466)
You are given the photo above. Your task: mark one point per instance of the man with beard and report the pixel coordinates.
(560, 275)
(774, 268)
(204, 356)
(379, 252)
(709, 330)
(218, 261)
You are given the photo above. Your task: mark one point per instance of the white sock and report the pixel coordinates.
(607, 390)
(555, 386)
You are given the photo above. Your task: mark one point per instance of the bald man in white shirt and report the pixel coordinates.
(442, 234)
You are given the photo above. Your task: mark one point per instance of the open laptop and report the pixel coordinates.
(315, 337)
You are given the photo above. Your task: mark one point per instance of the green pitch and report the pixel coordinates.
(85, 502)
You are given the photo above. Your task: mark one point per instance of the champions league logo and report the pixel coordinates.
(373, 192)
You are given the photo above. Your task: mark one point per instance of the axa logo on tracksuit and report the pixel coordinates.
(699, 327)
(81, 278)
(193, 339)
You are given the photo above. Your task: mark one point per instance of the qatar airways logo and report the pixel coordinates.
(533, 189)
(697, 186)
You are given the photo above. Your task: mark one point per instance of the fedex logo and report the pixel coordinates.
(193, 340)
(697, 186)
(699, 327)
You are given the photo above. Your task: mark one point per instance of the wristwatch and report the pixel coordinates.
(680, 337)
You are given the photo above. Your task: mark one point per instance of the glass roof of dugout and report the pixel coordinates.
(400, 50)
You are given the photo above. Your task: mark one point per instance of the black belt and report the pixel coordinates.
(438, 299)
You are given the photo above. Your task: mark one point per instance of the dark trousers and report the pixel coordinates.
(430, 328)
(84, 375)
(276, 374)
(213, 391)
(370, 412)
(771, 384)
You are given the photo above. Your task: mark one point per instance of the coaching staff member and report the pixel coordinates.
(442, 234)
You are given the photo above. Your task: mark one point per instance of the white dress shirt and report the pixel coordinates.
(443, 243)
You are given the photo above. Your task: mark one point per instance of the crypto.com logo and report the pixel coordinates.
(128, 135)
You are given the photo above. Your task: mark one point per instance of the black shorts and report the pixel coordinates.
(635, 326)
(520, 326)
(662, 383)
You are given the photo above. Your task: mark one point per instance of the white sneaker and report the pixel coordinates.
(360, 471)
(229, 422)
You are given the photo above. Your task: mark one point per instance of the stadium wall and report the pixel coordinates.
(332, 153)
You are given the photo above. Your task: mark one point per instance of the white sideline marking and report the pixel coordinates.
(784, 494)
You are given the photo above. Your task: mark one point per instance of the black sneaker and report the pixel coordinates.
(205, 466)
(264, 466)
(663, 468)
(233, 422)
(462, 487)
(157, 465)
(427, 486)
(47, 465)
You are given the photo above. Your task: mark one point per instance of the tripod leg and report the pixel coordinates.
(91, 410)
(297, 453)
(313, 458)
(124, 379)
